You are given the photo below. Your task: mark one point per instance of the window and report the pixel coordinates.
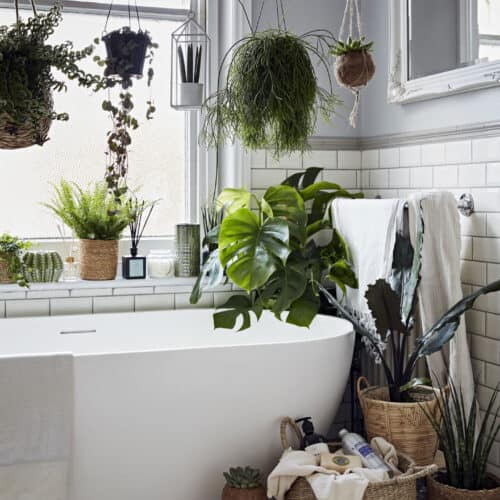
(76, 150)
(489, 30)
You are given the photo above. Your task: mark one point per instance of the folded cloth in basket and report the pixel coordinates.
(326, 484)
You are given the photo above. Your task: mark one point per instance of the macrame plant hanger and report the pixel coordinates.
(351, 21)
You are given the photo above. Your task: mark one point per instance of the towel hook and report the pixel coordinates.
(466, 204)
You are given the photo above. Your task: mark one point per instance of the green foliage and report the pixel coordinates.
(465, 451)
(27, 62)
(93, 214)
(270, 252)
(350, 45)
(271, 94)
(11, 250)
(243, 478)
(42, 267)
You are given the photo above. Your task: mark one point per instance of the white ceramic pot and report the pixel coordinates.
(190, 94)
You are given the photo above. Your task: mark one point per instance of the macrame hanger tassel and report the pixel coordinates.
(353, 117)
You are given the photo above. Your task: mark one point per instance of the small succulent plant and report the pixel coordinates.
(243, 477)
(350, 45)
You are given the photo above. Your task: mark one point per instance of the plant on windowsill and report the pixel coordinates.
(27, 80)
(271, 95)
(243, 484)
(392, 304)
(11, 267)
(274, 253)
(98, 219)
(466, 452)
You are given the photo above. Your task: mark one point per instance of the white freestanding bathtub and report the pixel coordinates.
(164, 404)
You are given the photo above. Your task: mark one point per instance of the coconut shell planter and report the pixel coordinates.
(355, 68)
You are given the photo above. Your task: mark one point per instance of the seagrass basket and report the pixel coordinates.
(438, 490)
(98, 259)
(405, 425)
(5, 277)
(403, 487)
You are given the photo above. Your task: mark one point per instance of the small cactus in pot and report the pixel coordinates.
(42, 267)
(243, 483)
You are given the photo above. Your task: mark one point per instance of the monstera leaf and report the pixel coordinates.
(250, 247)
(211, 275)
(285, 201)
(342, 275)
(384, 303)
(304, 309)
(232, 199)
(236, 306)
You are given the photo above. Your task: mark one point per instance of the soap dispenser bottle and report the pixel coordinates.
(312, 442)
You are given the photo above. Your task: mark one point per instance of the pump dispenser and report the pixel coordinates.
(312, 442)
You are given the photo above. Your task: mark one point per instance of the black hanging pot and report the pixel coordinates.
(126, 53)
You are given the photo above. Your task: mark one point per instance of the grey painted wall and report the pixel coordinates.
(378, 117)
(304, 16)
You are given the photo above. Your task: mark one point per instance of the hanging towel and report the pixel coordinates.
(440, 286)
(36, 426)
(326, 484)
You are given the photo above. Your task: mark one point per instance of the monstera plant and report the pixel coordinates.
(268, 248)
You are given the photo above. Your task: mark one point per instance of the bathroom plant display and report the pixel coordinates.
(27, 80)
(271, 95)
(272, 253)
(139, 211)
(42, 267)
(11, 251)
(465, 451)
(98, 219)
(243, 483)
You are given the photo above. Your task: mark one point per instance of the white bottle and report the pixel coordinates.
(354, 444)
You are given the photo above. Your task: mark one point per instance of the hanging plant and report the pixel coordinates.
(271, 95)
(354, 66)
(27, 80)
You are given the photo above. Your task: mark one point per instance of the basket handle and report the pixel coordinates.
(423, 471)
(285, 422)
(361, 380)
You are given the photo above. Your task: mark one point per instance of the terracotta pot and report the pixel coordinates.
(4, 273)
(354, 69)
(229, 493)
(405, 425)
(98, 259)
(437, 490)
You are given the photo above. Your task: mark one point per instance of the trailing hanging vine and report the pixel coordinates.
(271, 94)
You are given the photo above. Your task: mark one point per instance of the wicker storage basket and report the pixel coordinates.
(4, 272)
(437, 490)
(402, 424)
(403, 487)
(98, 259)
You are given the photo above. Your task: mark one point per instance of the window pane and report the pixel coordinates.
(76, 150)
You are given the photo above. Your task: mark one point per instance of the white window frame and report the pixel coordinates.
(199, 163)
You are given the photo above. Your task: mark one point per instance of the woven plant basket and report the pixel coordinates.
(402, 424)
(98, 259)
(229, 493)
(24, 136)
(4, 273)
(403, 487)
(437, 490)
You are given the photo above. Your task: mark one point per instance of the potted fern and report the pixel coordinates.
(465, 451)
(243, 484)
(11, 267)
(98, 220)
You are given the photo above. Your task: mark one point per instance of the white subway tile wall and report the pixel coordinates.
(460, 166)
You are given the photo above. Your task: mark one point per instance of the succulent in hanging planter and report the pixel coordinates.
(271, 95)
(354, 66)
(27, 80)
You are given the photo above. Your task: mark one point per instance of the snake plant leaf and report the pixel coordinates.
(302, 180)
(211, 275)
(236, 306)
(249, 248)
(286, 202)
(288, 284)
(304, 309)
(444, 328)
(232, 199)
(341, 273)
(384, 304)
(415, 382)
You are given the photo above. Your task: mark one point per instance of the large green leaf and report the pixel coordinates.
(211, 275)
(249, 248)
(341, 273)
(286, 202)
(384, 303)
(232, 199)
(304, 309)
(302, 180)
(236, 306)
